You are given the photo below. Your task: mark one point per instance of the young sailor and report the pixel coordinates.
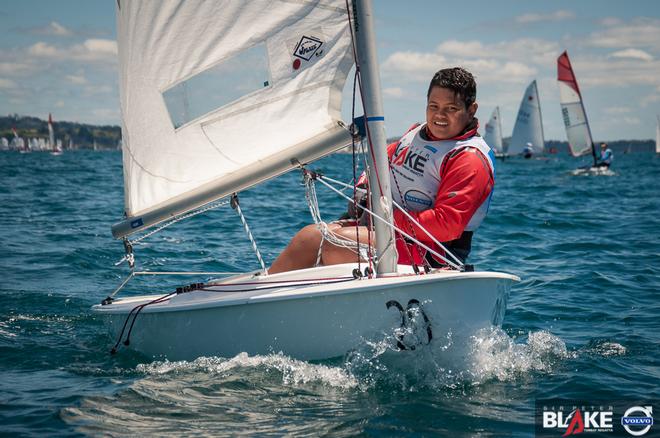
(606, 156)
(441, 172)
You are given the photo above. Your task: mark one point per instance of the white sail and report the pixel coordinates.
(51, 133)
(529, 124)
(657, 136)
(211, 109)
(493, 131)
(578, 133)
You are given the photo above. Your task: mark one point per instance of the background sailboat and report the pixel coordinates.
(493, 133)
(528, 128)
(180, 154)
(55, 147)
(578, 133)
(657, 136)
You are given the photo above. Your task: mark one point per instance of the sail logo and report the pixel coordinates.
(307, 47)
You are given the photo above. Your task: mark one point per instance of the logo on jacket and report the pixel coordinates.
(411, 160)
(416, 200)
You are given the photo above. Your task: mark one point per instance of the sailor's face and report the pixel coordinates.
(446, 114)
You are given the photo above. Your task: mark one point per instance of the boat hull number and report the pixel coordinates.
(410, 323)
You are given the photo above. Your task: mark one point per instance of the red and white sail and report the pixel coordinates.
(578, 133)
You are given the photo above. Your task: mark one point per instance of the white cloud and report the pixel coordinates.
(41, 49)
(393, 92)
(54, 29)
(7, 84)
(90, 50)
(509, 61)
(617, 110)
(632, 54)
(77, 79)
(632, 121)
(60, 104)
(101, 46)
(553, 16)
(14, 68)
(640, 32)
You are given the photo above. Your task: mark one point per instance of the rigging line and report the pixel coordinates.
(327, 234)
(403, 233)
(128, 317)
(180, 218)
(357, 220)
(184, 273)
(405, 244)
(359, 80)
(235, 204)
(109, 298)
(412, 219)
(279, 286)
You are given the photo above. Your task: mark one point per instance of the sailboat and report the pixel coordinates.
(56, 147)
(182, 155)
(493, 134)
(580, 141)
(527, 138)
(657, 136)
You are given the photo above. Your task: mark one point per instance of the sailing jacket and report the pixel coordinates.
(445, 185)
(606, 156)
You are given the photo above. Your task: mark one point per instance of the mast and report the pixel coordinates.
(379, 177)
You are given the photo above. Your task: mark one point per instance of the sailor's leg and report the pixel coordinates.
(301, 252)
(333, 254)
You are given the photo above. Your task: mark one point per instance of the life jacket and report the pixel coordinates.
(416, 168)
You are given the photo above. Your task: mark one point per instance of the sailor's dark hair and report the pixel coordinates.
(458, 80)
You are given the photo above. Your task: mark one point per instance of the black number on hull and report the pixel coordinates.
(407, 322)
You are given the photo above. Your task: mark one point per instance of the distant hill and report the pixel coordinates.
(617, 146)
(82, 136)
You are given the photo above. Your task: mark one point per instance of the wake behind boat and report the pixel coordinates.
(297, 56)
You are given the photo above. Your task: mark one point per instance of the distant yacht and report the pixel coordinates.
(493, 133)
(527, 138)
(56, 147)
(657, 136)
(578, 133)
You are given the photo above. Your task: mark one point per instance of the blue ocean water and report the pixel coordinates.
(584, 322)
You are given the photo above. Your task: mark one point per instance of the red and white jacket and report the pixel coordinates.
(444, 184)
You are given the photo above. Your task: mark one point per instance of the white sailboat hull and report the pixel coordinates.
(313, 322)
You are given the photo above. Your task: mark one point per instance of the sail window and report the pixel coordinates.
(218, 86)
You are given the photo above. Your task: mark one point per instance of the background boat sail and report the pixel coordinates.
(529, 124)
(657, 136)
(493, 132)
(180, 152)
(578, 133)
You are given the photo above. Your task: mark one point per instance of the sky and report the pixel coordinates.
(59, 57)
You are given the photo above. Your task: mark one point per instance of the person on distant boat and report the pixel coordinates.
(441, 172)
(606, 156)
(528, 151)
